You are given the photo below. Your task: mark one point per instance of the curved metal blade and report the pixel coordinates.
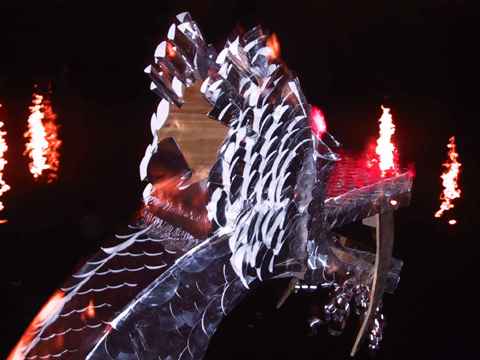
(385, 238)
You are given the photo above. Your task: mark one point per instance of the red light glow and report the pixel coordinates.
(171, 50)
(318, 125)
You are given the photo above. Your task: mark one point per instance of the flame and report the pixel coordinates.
(38, 144)
(449, 178)
(4, 187)
(385, 148)
(318, 125)
(50, 309)
(274, 45)
(43, 144)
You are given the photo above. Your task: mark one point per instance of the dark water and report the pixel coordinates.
(350, 58)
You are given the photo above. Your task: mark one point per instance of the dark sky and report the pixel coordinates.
(350, 57)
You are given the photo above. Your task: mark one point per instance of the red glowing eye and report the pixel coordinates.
(317, 122)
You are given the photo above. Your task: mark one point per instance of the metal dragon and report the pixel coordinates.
(268, 209)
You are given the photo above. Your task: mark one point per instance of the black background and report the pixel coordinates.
(350, 56)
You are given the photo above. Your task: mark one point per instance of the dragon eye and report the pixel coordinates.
(317, 122)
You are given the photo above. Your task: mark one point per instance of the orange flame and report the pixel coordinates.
(4, 187)
(274, 45)
(91, 309)
(171, 50)
(449, 178)
(43, 145)
(385, 148)
(89, 312)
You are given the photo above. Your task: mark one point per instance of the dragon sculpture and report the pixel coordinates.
(267, 209)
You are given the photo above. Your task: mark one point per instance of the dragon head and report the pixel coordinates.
(273, 187)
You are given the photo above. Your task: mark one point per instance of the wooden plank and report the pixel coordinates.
(198, 136)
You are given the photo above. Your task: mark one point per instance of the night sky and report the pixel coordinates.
(350, 57)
